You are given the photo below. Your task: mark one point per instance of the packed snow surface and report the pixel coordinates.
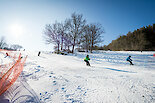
(109, 79)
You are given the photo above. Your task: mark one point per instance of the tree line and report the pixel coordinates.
(73, 33)
(138, 40)
(4, 45)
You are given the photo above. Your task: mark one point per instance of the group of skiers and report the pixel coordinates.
(86, 59)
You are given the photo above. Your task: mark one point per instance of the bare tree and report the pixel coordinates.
(85, 38)
(75, 27)
(67, 42)
(2, 43)
(62, 32)
(16, 47)
(52, 35)
(96, 32)
(73, 32)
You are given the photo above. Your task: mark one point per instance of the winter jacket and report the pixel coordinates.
(128, 59)
(87, 58)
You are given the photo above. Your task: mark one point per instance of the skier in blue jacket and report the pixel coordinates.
(129, 60)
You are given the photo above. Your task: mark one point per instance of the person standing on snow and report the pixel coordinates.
(87, 60)
(6, 55)
(129, 60)
(39, 53)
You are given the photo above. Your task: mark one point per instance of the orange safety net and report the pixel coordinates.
(10, 72)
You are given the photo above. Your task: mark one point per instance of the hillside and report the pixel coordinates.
(140, 40)
(110, 79)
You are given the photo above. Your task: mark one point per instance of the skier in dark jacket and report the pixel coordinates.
(87, 60)
(129, 60)
(6, 55)
(39, 53)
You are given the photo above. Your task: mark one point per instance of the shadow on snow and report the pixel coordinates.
(118, 70)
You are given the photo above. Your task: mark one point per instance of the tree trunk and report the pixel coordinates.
(73, 49)
(62, 45)
(62, 39)
(86, 47)
(58, 49)
(68, 49)
(73, 46)
(92, 44)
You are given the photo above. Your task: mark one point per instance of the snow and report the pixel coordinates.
(5, 60)
(19, 92)
(110, 79)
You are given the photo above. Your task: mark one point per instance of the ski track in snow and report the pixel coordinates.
(110, 79)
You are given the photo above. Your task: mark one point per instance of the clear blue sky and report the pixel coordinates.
(118, 17)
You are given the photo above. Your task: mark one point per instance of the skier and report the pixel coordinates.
(39, 53)
(129, 60)
(6, 55)
(86, 60)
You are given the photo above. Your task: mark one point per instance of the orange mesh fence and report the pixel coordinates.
(4, 68)
(10, 72)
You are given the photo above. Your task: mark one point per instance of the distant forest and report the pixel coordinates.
(142, 39)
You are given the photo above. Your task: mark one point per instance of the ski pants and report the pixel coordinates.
(130, 62)
(87, 62)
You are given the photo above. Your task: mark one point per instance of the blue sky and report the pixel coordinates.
(117, 17)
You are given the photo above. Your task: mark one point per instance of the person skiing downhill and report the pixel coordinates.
(129, 60)
(87, 60)
(39, 53)
(6, 55)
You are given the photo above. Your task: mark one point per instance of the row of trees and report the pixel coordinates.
(4, 45)
(140, 39)
(73, 32)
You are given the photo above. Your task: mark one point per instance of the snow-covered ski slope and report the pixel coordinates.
(110, 79)
(20, 91)
(4, 60)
